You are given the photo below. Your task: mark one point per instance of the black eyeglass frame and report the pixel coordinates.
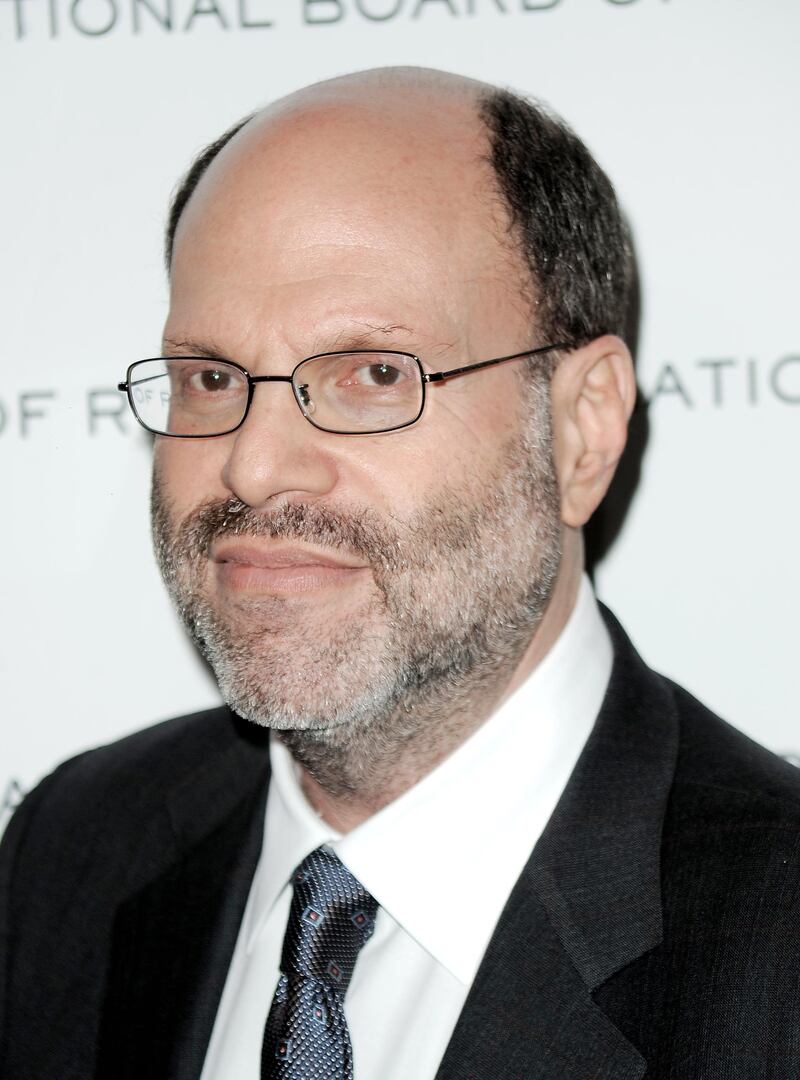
(425, 378)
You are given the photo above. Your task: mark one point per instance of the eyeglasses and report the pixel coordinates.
(347, 393)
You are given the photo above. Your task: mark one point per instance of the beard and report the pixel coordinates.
(456, 593)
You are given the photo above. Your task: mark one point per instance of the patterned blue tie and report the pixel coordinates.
(332, 915)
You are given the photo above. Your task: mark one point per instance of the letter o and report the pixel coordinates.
(360, 7)
(774, 377)
(89, 31)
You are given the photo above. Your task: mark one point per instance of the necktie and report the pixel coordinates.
(332, 915)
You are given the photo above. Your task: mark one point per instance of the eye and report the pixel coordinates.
(381, 374)
(378, 375)
(210, 380)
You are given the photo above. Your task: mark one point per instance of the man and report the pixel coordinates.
(454, 827)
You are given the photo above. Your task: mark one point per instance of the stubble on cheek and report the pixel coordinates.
(301, 650)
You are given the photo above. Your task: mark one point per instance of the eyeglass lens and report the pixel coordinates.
(349, 393)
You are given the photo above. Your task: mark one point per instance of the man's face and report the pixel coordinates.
(347, 582)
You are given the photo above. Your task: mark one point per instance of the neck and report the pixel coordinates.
(401, 767)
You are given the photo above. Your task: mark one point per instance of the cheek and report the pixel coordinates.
(389, 472)
(482, 406)
(189, 471)
(401, 473)
(447, 456)
(473, 419)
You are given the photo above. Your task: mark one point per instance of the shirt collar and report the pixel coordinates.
(444, 856)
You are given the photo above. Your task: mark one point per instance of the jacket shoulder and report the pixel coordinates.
(96, 832)
(105, 799)
(131, 768)
(730, 834)
(718, 759)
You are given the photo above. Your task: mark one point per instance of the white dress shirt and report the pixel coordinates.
(440, 860)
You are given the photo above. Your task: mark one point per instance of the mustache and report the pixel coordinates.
(360, 532)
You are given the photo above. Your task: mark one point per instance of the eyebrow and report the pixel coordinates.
(439, 349)
(194, 347)
(361, 335)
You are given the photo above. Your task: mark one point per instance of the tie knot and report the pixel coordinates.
(332, 916)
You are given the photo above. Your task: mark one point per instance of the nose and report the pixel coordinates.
(276, 455)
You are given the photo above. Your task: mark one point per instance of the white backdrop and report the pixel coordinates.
(690, 105)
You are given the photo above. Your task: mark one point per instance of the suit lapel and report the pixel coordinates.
(173, 940)
(529, 1016)
(587, 903)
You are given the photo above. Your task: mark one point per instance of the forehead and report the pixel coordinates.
(341, 200)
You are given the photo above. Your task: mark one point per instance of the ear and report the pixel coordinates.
(593, 393)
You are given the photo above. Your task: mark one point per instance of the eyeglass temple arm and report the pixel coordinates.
(124, 386)
(440, 376)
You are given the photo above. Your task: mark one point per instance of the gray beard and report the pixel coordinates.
(458, 591)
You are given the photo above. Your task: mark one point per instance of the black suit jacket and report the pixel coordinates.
(655, 931)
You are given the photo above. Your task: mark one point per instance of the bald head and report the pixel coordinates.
(480, 162)
(391, 88)
(416, 105)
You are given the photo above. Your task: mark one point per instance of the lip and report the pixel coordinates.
(277, 556)
(245, 566)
